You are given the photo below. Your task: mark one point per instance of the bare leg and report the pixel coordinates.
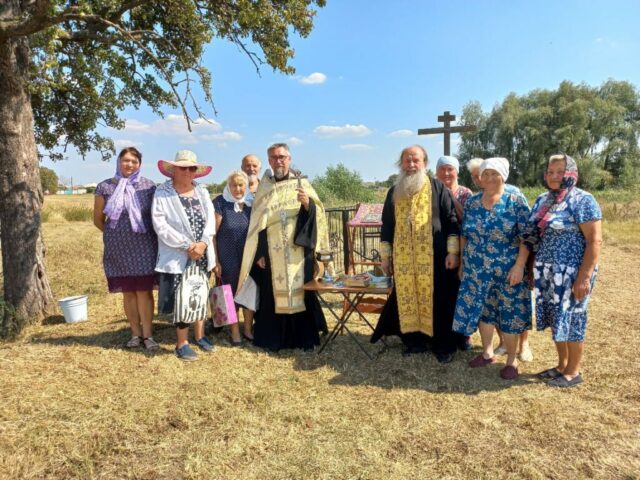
(511, 342)
(198, 330)
(563, 355)
(574, 351)
(486, 335)
(524, 341)
(235, 332)
(248, 322)
(182, 335)
(145, 312)
(131, 311)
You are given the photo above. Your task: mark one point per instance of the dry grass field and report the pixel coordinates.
(75, 404)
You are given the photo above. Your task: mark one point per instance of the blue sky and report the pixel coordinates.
(373, 72)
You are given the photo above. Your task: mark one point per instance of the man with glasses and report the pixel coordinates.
(287, 225)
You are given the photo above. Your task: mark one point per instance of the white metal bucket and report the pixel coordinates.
(74, 309)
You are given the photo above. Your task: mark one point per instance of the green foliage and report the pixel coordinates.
(339, 184)
(91, 59)
(598, 126)
(49, 180)
(216, 189)
(78, 214)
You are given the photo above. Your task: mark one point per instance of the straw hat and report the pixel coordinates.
(184, 158)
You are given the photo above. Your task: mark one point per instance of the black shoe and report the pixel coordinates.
(444, 357)
(465, 345)
(413, 351)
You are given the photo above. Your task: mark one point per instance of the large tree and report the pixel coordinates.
(599, 126)
(67, 67)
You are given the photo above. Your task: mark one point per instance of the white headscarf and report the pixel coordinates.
(448, 160)
(499, 164)
(237, 202)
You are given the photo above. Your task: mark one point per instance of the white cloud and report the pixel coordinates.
(119, 144)
(315, 78)
(289, 139)
(402, 133)
(222, 136)
(334, 131)
(358, 147)
(202, 130)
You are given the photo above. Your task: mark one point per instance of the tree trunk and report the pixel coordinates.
(26, 288)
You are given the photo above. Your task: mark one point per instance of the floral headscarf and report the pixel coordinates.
(541, 216)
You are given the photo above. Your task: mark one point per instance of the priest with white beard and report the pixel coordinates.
(420, 248)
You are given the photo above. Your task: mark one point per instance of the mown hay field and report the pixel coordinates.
(75, 404)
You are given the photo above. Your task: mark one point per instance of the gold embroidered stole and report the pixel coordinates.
(275, 209)
(413, 261)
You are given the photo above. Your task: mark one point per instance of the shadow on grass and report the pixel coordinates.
(53, 320)
(389, 369)
(110, 339)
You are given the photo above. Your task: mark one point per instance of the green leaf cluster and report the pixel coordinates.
(49, 180)
(598, 126)
(341, 186)
(93, 58)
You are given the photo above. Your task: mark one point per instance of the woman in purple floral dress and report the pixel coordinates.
(122, 211)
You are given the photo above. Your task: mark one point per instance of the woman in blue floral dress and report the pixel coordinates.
(493, 293)
(565, 233)
(232, 224)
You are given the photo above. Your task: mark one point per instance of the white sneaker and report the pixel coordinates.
(501, 350)
(526, 355)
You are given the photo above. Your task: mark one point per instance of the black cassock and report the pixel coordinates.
(445, 282)
(275, 331)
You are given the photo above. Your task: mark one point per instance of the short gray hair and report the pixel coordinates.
(278, 145)
(251, 155)
(474, 164)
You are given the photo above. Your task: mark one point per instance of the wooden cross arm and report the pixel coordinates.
(460, 129)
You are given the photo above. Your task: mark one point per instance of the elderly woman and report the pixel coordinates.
(524, 350)
(447, 170)
(473, 166)
(565, 233)
(493, 293)
(233, 210)
(183, 218)
(122, 211)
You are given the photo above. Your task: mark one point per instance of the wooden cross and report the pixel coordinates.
(447, 118)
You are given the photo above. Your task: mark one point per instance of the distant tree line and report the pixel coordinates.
(598, 126)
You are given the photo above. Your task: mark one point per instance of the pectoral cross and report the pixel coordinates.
(299, 176)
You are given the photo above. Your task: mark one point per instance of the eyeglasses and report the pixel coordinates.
(276, 158)
(191, 169)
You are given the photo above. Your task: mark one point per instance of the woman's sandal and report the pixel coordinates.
(248, 338)
(150, 344)
(134, 342)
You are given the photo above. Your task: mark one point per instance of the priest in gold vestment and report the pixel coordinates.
(287, 225)
(420, 248)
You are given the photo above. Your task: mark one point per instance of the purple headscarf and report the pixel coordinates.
(124, 198)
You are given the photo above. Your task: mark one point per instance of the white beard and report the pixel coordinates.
(407, 185)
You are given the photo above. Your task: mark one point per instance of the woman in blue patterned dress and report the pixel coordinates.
(232, 223)
(565, 232)
(122, 211)
(493, 293)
